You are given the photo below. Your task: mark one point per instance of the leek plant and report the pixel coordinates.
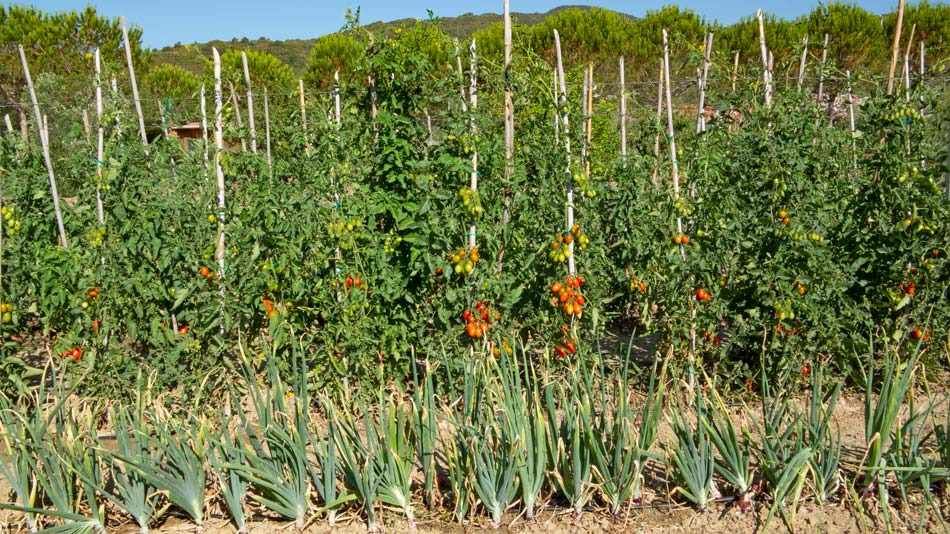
(693, 457)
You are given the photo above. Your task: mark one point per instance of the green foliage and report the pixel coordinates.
(265, 70)
(337, 52)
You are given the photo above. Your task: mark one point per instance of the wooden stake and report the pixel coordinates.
(923, 63)
(895, 48)
(250, 104)
(557, 113)
(585, 88)
(803, 63)
(85, 124)
(735, 71)
(910, 46)
(204, 124)
(473, 105)
(854, 142)
(659, 118)
(509, 134)
(100, 143)
(44, 143)
(6, 121)
(590, 119)
(701, 120)
(567, 147)
(237, 115)
(623, 115)
(219, 173)
(303, 107)
(118, 123)
(270, 165)
(821, 72)
(336, 98)
(766, 73)
(135, 86)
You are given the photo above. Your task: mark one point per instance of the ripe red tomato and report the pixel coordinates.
(467, 315)
(205, 272)
(556, 287)
(183, 330)
(806, 370)
(472, 330)
(357, 281)
(438, 271)
(349, 282)
(685, 239)
(916, 333)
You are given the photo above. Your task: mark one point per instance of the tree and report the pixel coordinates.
(265, 70)
(332, 53)
(60, 44)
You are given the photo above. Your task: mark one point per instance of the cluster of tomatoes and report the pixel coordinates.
(681, 239)
(477, 323)
(561, 246)
(568, 344)
(13, 223)
(75, 353)
(472, 202)
(354, 281)
(708, 338)
(92, 296)
(568, 297)
(702, 294)
(463, 261)
(919, 333)
(800, 287)
(269, 306)
(205, 272)
(7, 310)
(907, 288)
(905, 115)
(638, 285)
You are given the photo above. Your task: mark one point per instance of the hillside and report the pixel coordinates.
(295, 52)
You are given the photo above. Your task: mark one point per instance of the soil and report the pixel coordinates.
(657, 514)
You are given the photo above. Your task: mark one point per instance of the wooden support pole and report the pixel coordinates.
(735, 71)
(86, 128)
(250, 103)
(895, 48)
(219, 174)
(237, 115)
(303, 106)
(701, 119)
(44, 143)
(821, 72)
(803, 63)
(204, 124)
(100, 142)
(509, 134)
(659, 119)
(766, 73)
(270, 162)
(623, 115)
(135, 86)
(567, 147)
(473, 105)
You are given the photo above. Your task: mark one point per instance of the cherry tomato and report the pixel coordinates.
(205, 272)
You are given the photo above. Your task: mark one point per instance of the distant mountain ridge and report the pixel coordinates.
(295, 52)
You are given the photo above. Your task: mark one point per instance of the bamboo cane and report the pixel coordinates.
(821, 72)
(659, 118)
(303, 107)
(735, 71)
(100, 144)
(204, 125)
(854, 142)
(701, 120)
(86, 128)
(509, 134)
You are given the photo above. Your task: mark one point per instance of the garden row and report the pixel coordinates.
(523, 433)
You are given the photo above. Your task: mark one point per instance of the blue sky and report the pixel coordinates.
(170, 21)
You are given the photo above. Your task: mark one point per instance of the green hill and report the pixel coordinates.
(295, 52)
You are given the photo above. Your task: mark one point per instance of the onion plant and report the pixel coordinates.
(619, 448)
(881, 415)
(276, 447)
(692, 457)
(359, 461)
(825, 462)
(783, 454)
(566, 410)
(226, 451)
(734, 446)
(425, 428)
